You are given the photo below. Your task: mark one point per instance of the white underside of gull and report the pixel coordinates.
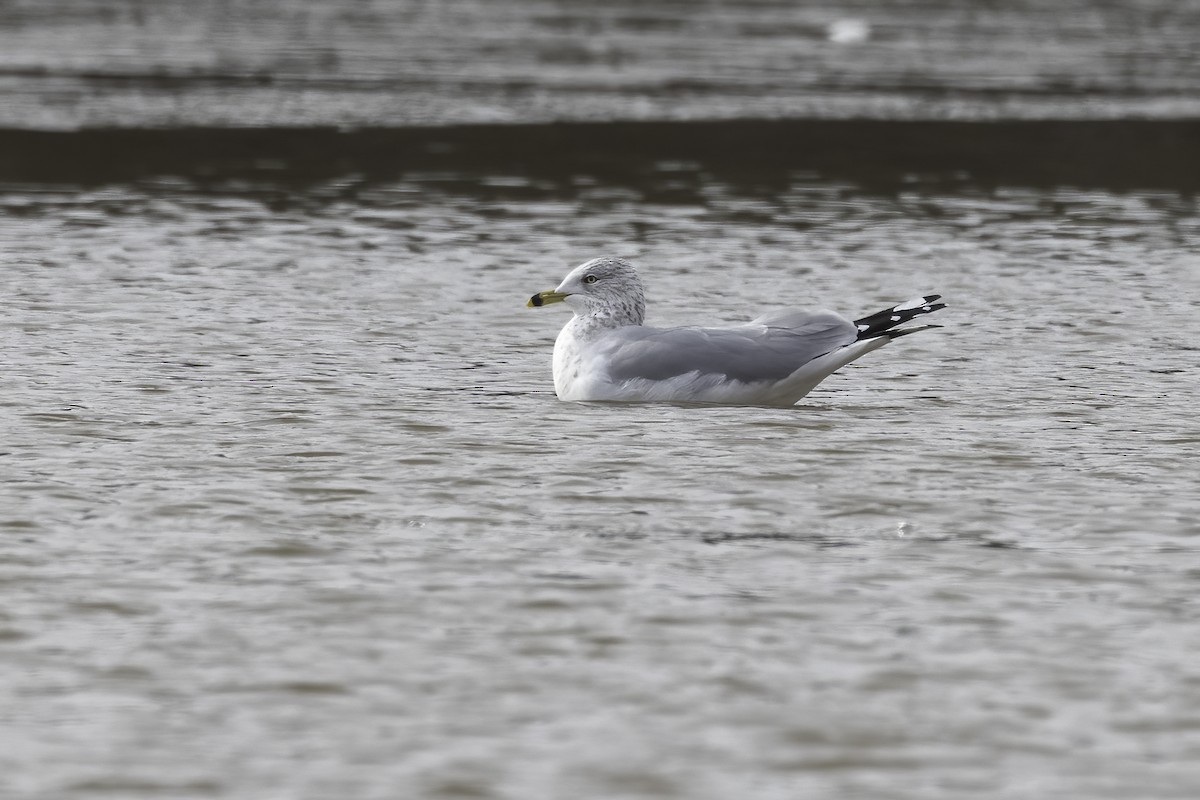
(581, 373)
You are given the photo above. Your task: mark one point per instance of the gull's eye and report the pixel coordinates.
(590, 279)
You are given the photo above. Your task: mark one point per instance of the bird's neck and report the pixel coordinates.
(591, 318)
(590, 324)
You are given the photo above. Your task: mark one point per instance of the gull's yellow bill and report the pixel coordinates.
(546, 298)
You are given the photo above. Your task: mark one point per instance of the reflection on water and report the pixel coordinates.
(290, 507)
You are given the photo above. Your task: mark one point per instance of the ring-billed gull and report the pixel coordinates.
(605, 352)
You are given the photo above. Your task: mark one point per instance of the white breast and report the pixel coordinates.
(568, 362)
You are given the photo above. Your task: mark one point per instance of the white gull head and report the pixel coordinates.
(607, 290)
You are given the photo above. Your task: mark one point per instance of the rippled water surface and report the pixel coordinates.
(290, 510)
(72, 63)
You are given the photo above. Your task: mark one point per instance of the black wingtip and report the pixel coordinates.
(883, 322)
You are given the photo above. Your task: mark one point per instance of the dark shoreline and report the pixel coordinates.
(1112, 154)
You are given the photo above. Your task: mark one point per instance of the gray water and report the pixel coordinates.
(290, 510)
(66, 64)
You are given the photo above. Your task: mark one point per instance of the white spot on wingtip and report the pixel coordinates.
(895, 317)
(908, 305)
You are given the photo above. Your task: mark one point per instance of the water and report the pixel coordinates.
(290, 510)
(67, 64)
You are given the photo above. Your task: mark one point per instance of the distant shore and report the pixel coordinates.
(1112, 154)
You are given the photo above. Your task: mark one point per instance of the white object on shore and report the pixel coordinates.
(848, 31)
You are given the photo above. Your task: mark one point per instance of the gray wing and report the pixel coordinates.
(768, 349)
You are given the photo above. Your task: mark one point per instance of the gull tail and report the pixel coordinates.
(883, 323)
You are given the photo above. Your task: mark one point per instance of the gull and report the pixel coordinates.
(605, 352)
